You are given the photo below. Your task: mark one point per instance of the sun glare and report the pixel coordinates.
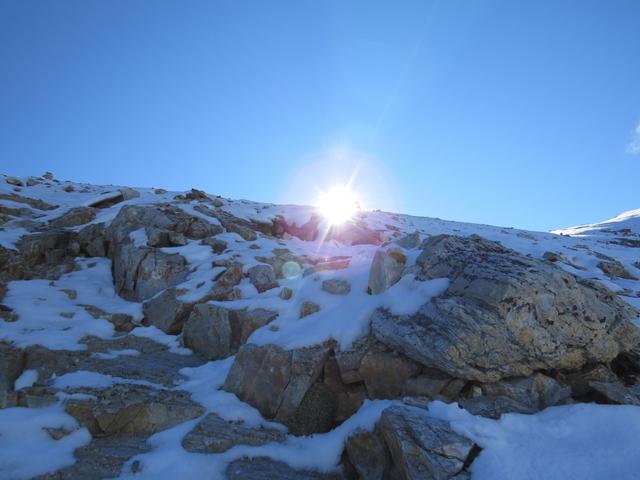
(338, 205)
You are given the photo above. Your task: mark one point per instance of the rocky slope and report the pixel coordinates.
(155, 334)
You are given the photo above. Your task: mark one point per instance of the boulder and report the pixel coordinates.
(386, 268)
(262, 277)
(215, 332)
(276, 381)
(369, 455)
(421, 446)
(166, 311)
(213, 434)
(336, 286)
(506, 315)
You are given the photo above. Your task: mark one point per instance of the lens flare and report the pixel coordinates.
(338, 205)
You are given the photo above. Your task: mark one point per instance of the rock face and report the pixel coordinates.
(141, 271)
(506, 315)
(75, 216)
(262, 468)
(215, 332)
(277, 381)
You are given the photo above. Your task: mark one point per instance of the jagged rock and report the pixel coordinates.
(194, 194)
(308, 308)
(336, 286)
(276, 381)
(615, 269)
(216, 435)
(132, 410)
(215, 332)
(262, 277)
(261, 468)
(386, 269)
(423, 447)
(369, 455)
(355, 233)
(140, 273)
(74, 217)
(506, 315)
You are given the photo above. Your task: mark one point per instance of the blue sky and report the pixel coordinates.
(512, 113)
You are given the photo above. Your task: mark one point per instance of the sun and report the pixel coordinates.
(338, 205)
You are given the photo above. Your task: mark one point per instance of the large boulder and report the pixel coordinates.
(277, 381)
(386, 268)
(421, 446)
(506, 315)
(216, 332)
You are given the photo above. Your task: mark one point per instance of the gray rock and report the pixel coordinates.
(537, 391)
(275, 381)
(32, 202)
(506, 315)
(336, 286)
(386, 268)
(262, 277)
(369, 455)
(262, 468)
(218, 246)
(74, 217)
(104, 457)
(166, 311)
(423, 447)
(215, 332)
(616, 392)
(216, 435)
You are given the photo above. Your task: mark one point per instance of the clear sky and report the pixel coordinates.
(512, 113)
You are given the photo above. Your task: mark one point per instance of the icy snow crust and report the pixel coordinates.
(577, 441)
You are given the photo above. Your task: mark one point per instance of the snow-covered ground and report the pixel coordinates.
(576, 441)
